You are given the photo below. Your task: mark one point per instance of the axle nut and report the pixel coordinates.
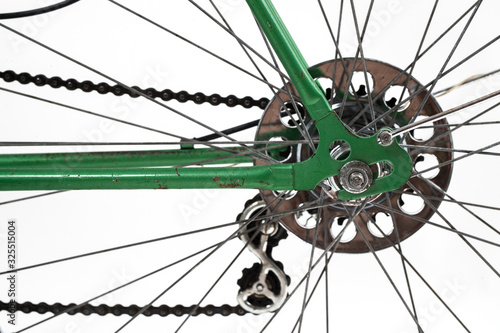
(355, 177)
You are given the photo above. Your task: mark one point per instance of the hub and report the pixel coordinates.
(355, 177)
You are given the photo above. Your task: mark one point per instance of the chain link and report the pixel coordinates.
(119, 90)
(118, 310)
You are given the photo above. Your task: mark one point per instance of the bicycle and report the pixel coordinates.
(363, 179)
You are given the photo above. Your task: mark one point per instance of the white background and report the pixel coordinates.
(124, 47)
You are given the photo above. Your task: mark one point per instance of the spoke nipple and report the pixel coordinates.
(384, 137)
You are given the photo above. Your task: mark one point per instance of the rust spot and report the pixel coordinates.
(216, 179)
(264, 183)
(177, 172)
(116, 180)
(162, 187)
(232, 183)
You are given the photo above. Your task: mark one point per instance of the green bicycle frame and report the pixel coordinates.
(157, 169)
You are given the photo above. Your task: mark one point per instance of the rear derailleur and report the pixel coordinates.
(262, 286)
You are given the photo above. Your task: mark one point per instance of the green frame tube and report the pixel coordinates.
(139, 170)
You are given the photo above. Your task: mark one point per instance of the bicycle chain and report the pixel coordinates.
(118, 310)
(119, 90)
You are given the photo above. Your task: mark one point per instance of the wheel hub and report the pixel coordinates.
(356, 176)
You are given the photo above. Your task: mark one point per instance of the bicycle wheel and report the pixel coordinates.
(421, 258)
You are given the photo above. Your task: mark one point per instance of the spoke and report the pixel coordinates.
(435, 210)
(30, 197)
(448, 200)
(362, 55)
(335, 42)
(75, 143)
(415, 60)
(351, 73)
(461, 204)
(400, 248)
(351, 218)
(327, 259)
(337, 53)
(325, 270)
(419, 219)
(472, 153)
(311, 258)
(69, 309)
(414, 125)
(474, 78)
(130, 88)
(454, 150)
(323, 273)
(240, 41)
(465, 123)
(368, 244)
(188, 142)
(407, 262)
(477, 123)
(215, 283)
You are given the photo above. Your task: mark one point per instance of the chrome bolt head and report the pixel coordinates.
(384, 137)
(355, 177)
